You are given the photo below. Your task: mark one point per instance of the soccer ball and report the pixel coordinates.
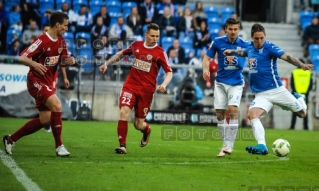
(281, 147)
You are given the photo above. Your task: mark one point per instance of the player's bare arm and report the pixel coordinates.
(239, 52)
(296, 62)
(70, 60)
(205, 65)
(65, 78)
(41, 69)
(167, 80)
(117, 57)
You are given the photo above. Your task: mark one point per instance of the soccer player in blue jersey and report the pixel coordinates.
(266, 84)
(229, 82)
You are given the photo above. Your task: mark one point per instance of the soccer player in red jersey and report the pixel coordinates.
(140, 85)
(43, 57)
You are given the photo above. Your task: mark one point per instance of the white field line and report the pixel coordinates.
(18, 172)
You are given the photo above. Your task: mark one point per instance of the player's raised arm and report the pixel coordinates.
(296, 62)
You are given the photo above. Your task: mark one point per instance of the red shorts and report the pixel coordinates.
(40, 92)
(141, 101)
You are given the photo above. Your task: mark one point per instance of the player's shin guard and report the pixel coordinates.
(259, 131)
(30, 127)
(222, 129)
(122, 132)
(56, 125)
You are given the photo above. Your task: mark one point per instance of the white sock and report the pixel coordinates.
(231, 132)
(222, 128)
(259, 131)
(303, 103)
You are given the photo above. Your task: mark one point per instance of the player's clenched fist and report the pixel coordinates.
(162, 88)
(103, 68)
(206, 74)
(70, 60)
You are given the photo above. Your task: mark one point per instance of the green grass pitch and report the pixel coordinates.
(161, 165)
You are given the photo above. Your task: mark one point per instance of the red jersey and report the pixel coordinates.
(147, 63)
(48, 52)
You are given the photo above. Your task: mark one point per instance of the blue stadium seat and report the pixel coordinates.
(46, 4)
(214, 23)
(188, 50)
(69, 37)
(77, 4)
(211, 12)
(114, 6)
(226, 13)
(167, 42)
(83, 35)
(126, 7)
(10, 33)
(114, 17)
(95, 6)
(305, 18)
(84, 55)
(10, 3)
(186, 43)
(214, 32)
(313, 50)
(315, 61)
(60, 2)
(144, 29)
(71, 48)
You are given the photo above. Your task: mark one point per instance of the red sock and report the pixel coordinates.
(56, 126)
(147, 128)
(122, 131)
(30, 127)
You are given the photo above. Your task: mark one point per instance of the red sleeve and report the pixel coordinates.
(35, 48)
(163, 60)
(129, 50)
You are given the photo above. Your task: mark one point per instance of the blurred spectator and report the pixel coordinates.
(199, 15)
(179, 2)
(15, 48)
(3, 27)
(72, 16)
(311, 34)
(15, 37)
(168, 4)
(84, 20)
(180, 52)
(148, 12)
(202, 37)
(134, 21)
(103, 54)
(185, 26)
(104, 14)
(45, 28)
(15, 18)
(120, 31)
(167, 24)
(33, 4)
(98, 30)
(28, 33)
(179, 13)
(46, 17)
(27, 14)
(178, 73)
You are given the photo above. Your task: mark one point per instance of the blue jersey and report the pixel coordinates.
(230, 68)
(263, 73)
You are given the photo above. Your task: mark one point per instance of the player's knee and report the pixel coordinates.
(301, 114)
(45, 120)
(252, 116)
(124, 113)
(56, 107)
(138, 125)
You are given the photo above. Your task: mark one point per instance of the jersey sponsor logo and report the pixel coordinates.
(51, 61)
(142, 65)
(231, 63)
(252, 65)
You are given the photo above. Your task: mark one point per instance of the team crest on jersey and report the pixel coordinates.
(261, 51)
(51, 61)
(149, 57)
(142, 65)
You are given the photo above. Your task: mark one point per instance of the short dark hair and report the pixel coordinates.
(257, 28)
(45, 25)
(58, 17)
(232, 21)
(152, 26)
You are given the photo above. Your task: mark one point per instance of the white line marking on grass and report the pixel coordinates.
(18, 172)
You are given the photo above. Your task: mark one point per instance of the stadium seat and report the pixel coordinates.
(82, 35)
(211, 12)
(167, 42)
(114, 17)
(305, 18)
(95, 6)
(69, 36)
(46, 4)
(186, 43)
(77, 4)
(114, 6)
(214, 23)
(60, 2)
(315, 61)
(214, 32)
(188, 50)
(10, 3)
(83, 56)
(10, 33)
(226, 13)
(126, 7)
(313, 50)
